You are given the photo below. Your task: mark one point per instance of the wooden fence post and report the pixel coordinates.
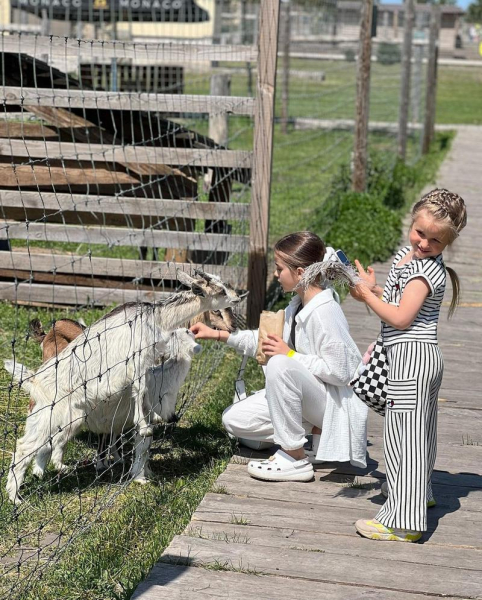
(263, 157)
(417, 83)
(431, 88)
(218, 181)
(218, 122)
(362, 98)
(405, 78)
(285, 92)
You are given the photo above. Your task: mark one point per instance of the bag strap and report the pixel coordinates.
(293, 326)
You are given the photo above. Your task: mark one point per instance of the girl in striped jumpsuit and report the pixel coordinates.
(409, 309)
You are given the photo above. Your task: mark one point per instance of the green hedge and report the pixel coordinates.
(365, 228)
(368, 226)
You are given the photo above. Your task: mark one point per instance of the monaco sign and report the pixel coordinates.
(180, 11)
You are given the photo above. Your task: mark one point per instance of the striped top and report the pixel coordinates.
(424, 327)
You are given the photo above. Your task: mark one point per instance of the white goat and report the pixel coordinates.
(164, 381)
(99, 378)
(64, 331)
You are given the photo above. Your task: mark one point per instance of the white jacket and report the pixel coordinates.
(324, 346)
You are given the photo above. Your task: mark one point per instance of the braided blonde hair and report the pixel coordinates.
(448, 208)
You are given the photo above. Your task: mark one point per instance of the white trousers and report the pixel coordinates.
(292, 403)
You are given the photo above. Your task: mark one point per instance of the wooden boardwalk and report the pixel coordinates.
(290, 540)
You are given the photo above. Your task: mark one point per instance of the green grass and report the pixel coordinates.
(459, 96)
(458, 92)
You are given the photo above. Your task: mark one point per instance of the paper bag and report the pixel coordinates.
(269, 323)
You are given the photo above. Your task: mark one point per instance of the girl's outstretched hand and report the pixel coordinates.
(367, 276)
(274, 345)
(203, 332)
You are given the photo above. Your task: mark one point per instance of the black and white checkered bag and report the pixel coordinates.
(371, 385)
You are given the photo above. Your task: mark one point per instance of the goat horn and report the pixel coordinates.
(241, 296)
(202, 274)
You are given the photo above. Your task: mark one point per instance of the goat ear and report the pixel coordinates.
(197, 290)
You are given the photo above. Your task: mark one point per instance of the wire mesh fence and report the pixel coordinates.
(135, 147)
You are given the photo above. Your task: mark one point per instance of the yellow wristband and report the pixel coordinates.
(291, 353)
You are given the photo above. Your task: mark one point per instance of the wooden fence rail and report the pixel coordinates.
(170, 103)
(120, 205)
(35, 261)
(65, 48)
(127, 154)
(122, 236)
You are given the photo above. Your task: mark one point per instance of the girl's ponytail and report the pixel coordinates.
(454, 278)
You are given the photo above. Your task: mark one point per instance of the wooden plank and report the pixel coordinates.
(36, 175)
(62, 48)
(117, 236)
(85, 131)
(179, 582)
(112, 267)
(315, 566)
(26, 130)
(462, 529)
(355, 491)
(72, 280)
(137, 154)
(307, 541)
(58, 117)
(123, 206)
(33, 293)
(132, 101)
(263, 153)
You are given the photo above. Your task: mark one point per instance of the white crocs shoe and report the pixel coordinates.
(281, 467)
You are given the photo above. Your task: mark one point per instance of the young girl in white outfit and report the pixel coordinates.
(306, 388)
(409, 309)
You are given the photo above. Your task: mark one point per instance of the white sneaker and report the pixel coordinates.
(281, 467)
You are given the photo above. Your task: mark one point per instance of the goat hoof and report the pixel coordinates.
(38, 472)
(16, 499)
(146, 431)
(62, 468)
(156, 419)
(141, 480)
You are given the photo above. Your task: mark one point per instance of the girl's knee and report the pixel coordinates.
(278, 364)
(229, 418)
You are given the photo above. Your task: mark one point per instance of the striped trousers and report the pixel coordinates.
(410, 432)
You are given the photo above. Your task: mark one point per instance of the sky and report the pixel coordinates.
(461, 3)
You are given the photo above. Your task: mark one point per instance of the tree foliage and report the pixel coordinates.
(474, 12)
